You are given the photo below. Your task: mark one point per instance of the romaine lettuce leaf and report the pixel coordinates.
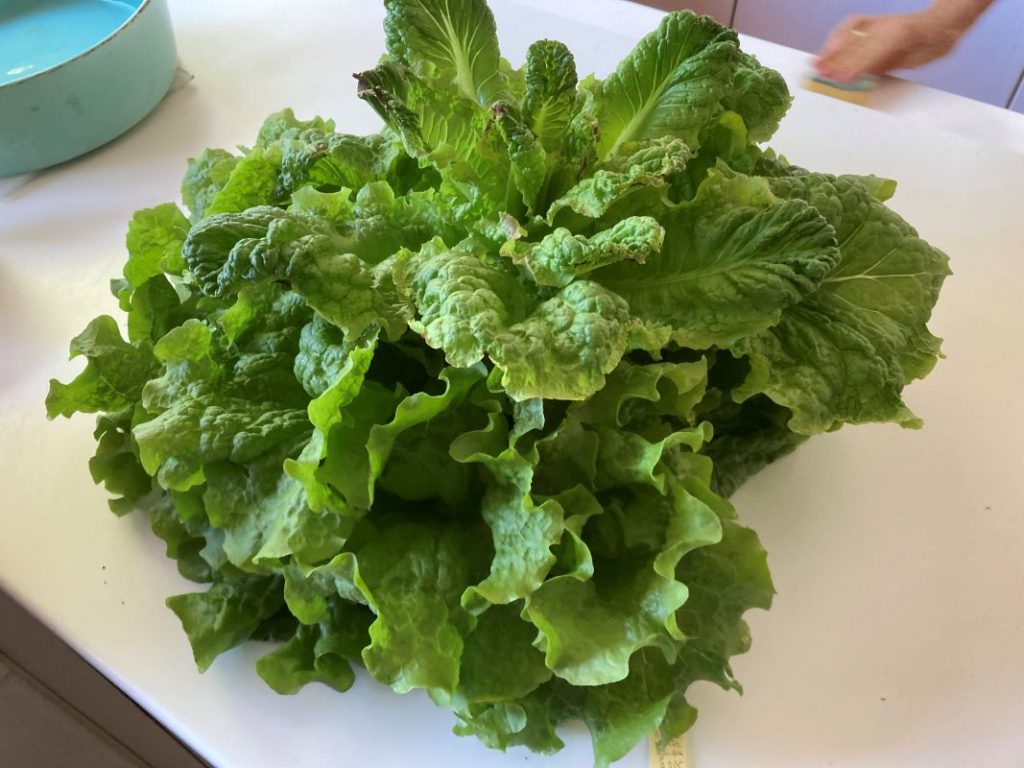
(733, 259)
(672, 84)
(846, 353)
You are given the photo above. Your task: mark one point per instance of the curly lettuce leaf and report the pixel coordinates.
(206, 176)
(561, 256)
(411, 576)
(320, 652)
(226, 615)
(759, 95)
(371, 427)
(632, 393)
(646, 166)
(155, 237)
(498, 661)
(113, 377)
(522, 531)
(116, 463)
(589, 629)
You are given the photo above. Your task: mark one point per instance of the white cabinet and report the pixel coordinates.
(720, 9)
(985, 66)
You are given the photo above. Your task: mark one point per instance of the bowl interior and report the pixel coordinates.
(37, 35)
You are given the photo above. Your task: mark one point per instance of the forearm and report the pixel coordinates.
(955, 17)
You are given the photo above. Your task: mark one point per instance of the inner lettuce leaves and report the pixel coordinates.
(462, 401)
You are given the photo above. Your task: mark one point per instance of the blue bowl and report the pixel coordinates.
(75, 74)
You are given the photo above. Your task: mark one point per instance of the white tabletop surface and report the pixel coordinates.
(897, 636)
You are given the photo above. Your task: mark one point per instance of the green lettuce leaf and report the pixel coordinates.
(528, 163)
(672, 84)
(760, 96)
(155, 237)
(471, 308)
(206, 176)
(113, 377)
(359, 451)
(227, 614)
(411, 575)
(252, 182)
(461, 401)
(319, 653)
(589, 629)
(734, 258)
(522, 532)
(646, 168)
(498, 661)
(845, 354)
(453, 43)
(621, 714)
(268, 244)
(633, 393)
(550, 98)
(116, 463)
(561, 256)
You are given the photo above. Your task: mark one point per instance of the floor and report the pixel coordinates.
(56, 711)
(39, 729)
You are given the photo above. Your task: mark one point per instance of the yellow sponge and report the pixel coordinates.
(856, 92)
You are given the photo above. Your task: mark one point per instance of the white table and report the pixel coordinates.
(897, 637)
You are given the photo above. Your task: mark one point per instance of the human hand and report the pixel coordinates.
(863, 45)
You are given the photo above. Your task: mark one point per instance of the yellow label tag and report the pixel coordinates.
(674, 755)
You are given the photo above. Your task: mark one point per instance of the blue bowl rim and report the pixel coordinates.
(49, 70)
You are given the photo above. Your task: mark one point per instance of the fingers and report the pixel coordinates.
(863, 45)
(838, 37)
(846, 55)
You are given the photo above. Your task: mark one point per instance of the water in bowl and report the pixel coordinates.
(38, 34)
